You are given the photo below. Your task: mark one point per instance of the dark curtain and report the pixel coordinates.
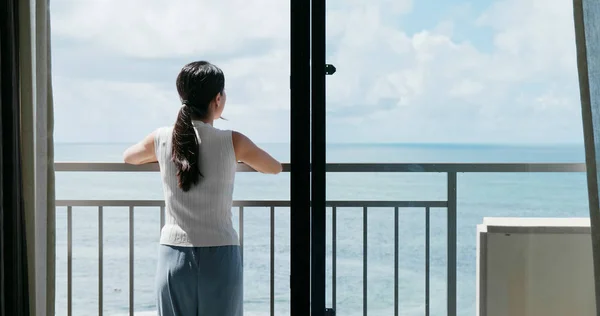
(14, 299)
(587, 37)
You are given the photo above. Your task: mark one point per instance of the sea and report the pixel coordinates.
(479, 195)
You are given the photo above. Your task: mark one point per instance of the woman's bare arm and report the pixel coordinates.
(142, 152)
(247, 152)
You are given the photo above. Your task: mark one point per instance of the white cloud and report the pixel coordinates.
(539, 34)
(390, 86)
(163, 28)
(101, 111)
(466, 88)
(98, 110)
(457, 90)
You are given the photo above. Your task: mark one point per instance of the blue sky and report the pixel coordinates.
(439, 71)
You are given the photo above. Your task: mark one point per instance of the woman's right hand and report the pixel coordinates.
(247, 152)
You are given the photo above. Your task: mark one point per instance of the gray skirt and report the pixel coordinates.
(199, 281)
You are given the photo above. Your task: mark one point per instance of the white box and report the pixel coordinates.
(535, 267)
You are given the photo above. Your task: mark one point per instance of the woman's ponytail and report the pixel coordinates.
(184, 150)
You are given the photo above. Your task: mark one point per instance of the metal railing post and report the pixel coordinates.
(452, 244)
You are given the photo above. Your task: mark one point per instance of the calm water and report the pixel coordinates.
(479, 195)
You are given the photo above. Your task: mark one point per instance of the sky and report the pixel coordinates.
(427, 71)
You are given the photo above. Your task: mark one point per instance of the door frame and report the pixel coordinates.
(318, 143)
(308, 142)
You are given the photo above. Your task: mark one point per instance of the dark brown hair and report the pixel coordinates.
(198, 83)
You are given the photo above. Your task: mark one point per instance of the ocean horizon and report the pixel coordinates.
(479, 195)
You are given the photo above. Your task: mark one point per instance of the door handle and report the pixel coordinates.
(329, 69)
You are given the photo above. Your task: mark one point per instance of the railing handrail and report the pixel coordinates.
(258, 203)
(350, 167)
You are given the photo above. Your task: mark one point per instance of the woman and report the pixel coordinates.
(199, 264)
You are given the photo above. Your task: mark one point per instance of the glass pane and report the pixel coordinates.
(432, 81)
(114, 66)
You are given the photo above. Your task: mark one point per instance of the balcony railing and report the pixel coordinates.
(242, 206)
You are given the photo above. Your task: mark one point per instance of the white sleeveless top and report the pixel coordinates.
(200, 217)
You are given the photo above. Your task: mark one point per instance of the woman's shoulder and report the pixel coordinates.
(220, 131)
(163, 133)
(164, 130)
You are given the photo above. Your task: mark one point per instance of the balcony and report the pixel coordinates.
(385, 256)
